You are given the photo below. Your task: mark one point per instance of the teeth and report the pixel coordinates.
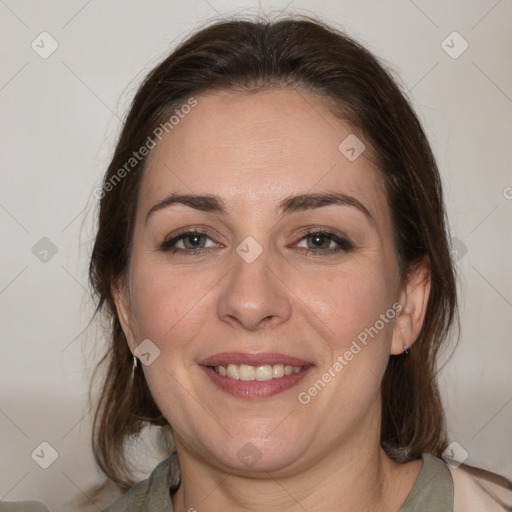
(246, 372)
(277, 371)
(263, 372)
(232, 372)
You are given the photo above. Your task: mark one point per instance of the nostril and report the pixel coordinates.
(265, 320)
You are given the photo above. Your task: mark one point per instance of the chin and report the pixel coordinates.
(256, 453)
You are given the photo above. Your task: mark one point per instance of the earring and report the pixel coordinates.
(134, 365)
(407, 349)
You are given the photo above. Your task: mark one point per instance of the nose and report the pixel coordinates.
(253, 295)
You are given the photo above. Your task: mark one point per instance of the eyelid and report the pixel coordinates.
(311, 230)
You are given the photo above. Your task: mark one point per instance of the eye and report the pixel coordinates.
(190, 242)
(317, 242)
(320, 242)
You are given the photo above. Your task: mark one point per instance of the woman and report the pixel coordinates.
(273, 256)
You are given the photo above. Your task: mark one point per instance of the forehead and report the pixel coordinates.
(255, 148)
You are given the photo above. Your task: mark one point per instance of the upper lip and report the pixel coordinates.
(252, 359)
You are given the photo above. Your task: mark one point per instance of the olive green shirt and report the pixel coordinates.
(22, 506)
(432, 492)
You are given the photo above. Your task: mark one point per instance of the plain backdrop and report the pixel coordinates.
(60, 116)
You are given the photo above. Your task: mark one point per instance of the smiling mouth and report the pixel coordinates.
(264, 372)
(255, 375)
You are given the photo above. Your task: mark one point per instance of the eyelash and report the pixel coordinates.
(344, 244)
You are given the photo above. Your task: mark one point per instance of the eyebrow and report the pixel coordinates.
(215, 204)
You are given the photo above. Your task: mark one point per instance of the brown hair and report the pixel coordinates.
(305, 53)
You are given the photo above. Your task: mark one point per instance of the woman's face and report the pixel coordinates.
(277, 277)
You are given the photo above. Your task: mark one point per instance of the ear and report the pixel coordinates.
(413, 299)
(121, 296)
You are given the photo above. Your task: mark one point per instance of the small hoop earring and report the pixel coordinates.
(407, 349)
(134, 365)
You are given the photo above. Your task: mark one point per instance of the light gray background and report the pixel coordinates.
(60, 118)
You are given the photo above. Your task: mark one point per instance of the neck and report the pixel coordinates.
(356, 477)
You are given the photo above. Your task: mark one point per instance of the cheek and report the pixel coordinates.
(347, 301)
(168, 303)
(169, 308)
(354, 341)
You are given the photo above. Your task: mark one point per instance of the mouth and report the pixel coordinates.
(256, 375)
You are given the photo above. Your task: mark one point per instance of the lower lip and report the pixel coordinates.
(253, 388)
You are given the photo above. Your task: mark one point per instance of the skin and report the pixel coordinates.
(253, 150)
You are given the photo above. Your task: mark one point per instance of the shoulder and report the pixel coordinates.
(440, 487)
(473, 491)
(151, 494)
(132, 500)
(22, 506)
(433, 489)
